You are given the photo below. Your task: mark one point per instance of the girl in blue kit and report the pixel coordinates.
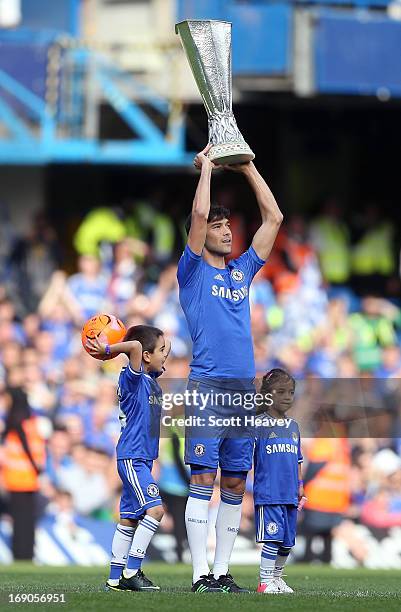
(278, 485)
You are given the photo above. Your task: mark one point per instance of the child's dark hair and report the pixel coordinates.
(270, 379)
(216, 213)
(145, 334)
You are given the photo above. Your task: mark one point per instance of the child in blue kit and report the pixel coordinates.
(140, 399)
(278, 485)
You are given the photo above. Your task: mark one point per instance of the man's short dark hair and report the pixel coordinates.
(216, 213)
(145, 334)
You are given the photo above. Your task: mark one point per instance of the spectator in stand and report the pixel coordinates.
(383, 507)
(89, 287)
(373, 329)
(126, 273)
(76, 398)
(32, 261)
(390, 366)
(74, 424)
(41, 398)
(87, 480)
(59, 312)
(336, 326)
(31, 326)
(10, 327)
(11, 355)
(58, 453)
(102, 429)
(261, 292)
(303, 308)
(291, 253)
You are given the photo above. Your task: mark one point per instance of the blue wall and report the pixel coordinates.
(262, 39)
(51, 14)
(357, 55)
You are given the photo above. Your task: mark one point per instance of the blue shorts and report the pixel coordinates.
(231, 454)
(226, 437)
(140, 491)
(276, 523)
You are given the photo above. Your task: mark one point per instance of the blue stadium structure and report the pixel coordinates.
(52, 81)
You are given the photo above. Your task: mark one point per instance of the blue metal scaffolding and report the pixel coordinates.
(50, 125)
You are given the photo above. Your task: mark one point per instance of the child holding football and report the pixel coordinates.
(140, 399)
(278, 485)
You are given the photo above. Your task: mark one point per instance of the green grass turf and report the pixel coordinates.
(317, 588)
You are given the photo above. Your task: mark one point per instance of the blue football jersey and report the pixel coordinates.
(216, 305)
(140, 400)
(276, 457)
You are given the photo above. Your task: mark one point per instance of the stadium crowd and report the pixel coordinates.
(317, 310)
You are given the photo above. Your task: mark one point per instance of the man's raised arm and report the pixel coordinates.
(272, 216)
(201, 204)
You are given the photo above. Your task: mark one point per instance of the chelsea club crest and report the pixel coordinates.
(272, 528)
(199, 450)
(153, 490)
(237, 275)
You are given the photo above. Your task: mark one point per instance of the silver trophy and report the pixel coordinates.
(207, 45)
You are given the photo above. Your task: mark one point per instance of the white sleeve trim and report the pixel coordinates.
(137, 373)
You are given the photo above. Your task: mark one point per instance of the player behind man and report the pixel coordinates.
(278, 484)
(141, 507)
(214, 298)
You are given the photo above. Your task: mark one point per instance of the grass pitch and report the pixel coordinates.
(316, 588)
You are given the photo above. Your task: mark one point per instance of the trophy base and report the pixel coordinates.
(231, 153)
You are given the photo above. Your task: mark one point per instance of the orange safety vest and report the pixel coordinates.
(329, 490)
(18, 473)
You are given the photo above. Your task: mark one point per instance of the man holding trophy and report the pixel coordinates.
(214, 298)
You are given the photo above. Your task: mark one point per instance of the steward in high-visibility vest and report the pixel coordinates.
(373, 253)
(19, 472)
(154, 227)
(328, 489)
(370, 334)
(23, 457)
(331, 240)
(99, 225)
